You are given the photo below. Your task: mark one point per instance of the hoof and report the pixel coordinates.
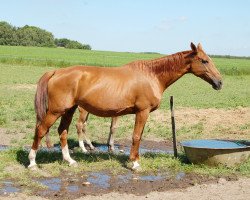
(137, 169)
(73, 164)
(111, 150)
(33, 167)
(92, 148)
(84, 150)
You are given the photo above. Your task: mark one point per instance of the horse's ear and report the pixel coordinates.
(193, 47)
(199, 47)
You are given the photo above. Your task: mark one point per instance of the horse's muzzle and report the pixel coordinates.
(217, 84)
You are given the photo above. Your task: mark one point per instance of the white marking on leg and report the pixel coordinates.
(81, 144)
(32, 158)
(135, 165)
(89, 143)
(66, 156)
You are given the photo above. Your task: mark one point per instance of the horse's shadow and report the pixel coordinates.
(45, 155)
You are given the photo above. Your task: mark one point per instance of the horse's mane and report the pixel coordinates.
(170, 63)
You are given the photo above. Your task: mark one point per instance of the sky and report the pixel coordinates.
(164, 26)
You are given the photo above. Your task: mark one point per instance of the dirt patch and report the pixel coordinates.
(23, 87)
(10, 137)
(215, 123)
(6, 135)
(224, 190)
(165, 145)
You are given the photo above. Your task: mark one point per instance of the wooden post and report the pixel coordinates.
(173, 125)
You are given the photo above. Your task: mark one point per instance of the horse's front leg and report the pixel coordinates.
(81, 130)
(140, 120)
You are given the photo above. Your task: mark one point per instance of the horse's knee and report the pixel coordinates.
(41, 131)
(113, 129)
(84, 125)
(79, 126)
(63, 135)
(136, 138)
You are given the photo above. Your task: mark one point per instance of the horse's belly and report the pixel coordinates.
(104, 111)
(106, 106)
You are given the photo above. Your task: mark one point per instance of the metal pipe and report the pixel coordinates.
(173, 125)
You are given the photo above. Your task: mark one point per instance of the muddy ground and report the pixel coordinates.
(128, 185)
(162, 185)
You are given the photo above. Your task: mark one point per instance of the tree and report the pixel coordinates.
(63, 42)
(71, 44)
(34, 36)
(7, 34)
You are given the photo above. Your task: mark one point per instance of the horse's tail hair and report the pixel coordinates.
(41, 97)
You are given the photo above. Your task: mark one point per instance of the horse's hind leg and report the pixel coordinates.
(81, 129)
(113, 127)
(40, 131)
(49, 144)
(63, 133)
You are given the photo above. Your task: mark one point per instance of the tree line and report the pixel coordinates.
(34, 36)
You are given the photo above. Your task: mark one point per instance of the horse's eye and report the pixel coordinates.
(204, 61)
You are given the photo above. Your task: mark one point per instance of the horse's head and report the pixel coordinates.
(202, 66)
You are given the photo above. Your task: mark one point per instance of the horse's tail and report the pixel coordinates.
(41, 97)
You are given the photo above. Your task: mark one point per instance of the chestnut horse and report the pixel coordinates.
(81, 131)
(135, 88)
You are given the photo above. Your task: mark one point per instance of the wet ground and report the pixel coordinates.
(71, 185)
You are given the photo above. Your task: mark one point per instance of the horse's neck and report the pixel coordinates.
(168, 69)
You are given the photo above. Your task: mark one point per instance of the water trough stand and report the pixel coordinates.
(173, 125)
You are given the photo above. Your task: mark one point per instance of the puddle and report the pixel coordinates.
(53, 184)
(126, 149)
(4, 147)
(72, 188)
(8, 188)
(99, 179)
(151, 177)
(180, 175)
(57, 185)
(104, 148)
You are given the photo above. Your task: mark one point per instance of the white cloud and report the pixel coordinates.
(168, 24)
(183, 18)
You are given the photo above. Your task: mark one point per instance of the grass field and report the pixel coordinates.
(60, 57)
(21, 67)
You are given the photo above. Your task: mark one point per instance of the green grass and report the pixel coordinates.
(60, 57)
(21, 67)
(191, 91)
